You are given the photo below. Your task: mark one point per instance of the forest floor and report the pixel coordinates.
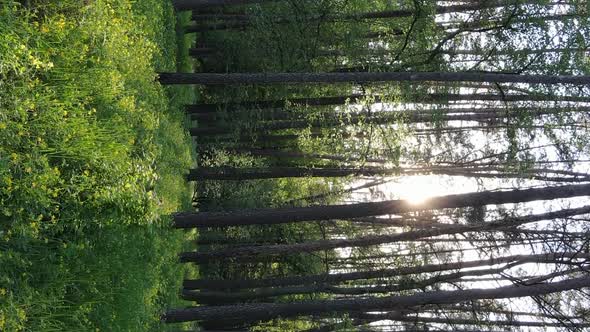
(93, 153)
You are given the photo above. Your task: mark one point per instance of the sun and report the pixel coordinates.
(416, 194)
(418, 189)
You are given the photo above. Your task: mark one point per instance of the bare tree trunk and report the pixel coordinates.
(455, 130)
(466, 52)
(199, 4)
(268, 311)
(239, 174)
(365, 77)
(481, 322)
(274, 153)
(376, 118)
(299, 214)
(264, 293)
(245, 253)
(261, 104)
(382, 273)
(244, 21)
(354, 98)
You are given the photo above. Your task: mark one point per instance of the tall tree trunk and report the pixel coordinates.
(350, 262)
(268, 311)
(244, 253)
(244, 21)
(335, 278)
(376, 118)
(200, 4)
(239, 174)
(285, 119)
(365, 77)
(274, 153)
(467, 52)
(479, 322)
(265, 293)
(318, 101)
(486, 308)
(287, 215)
(488, 128)
(352, 99)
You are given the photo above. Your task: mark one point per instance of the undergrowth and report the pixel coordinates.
(92, 157)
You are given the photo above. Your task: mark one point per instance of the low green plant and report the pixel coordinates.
(92, 157)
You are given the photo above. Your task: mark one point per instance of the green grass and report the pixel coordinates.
(92, 157)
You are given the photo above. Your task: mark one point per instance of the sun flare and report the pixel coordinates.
(418, 189)
(416, 195)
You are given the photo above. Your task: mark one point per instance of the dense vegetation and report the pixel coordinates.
(92, 156)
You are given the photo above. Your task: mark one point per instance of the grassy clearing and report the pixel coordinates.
(92, 153)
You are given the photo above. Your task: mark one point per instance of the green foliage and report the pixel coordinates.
(91, 160)
(234, 195)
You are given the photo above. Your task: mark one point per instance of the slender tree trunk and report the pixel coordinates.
(364, 77)
(436, 98)
(265, 293)
(274, 153)
(226, 173)
(450, 113)
(480, 322)
(244, 21)
(455, 130)
(200, 4)
(387, 257)
(268, 311)
(239, 174)
(336, 278)
(377, 118)
(262, 104)
(287, 215)
(506, 22)
(467, 52)
(483, 308)
(447, 229)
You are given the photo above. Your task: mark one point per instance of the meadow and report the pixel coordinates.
(93, 156)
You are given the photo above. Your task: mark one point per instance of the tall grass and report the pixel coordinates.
(92, 157)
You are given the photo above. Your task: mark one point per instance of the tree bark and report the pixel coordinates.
(481, 322)
(300, 214)
(376, 118)
(273, 153)
(466, 52)
(268, 311)
(244, 253)
(336, 278)
(318, 101)
(244, 21)
(352, 99)
(199, 4)
(240, 174)
(364, 77)
(263, 293)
